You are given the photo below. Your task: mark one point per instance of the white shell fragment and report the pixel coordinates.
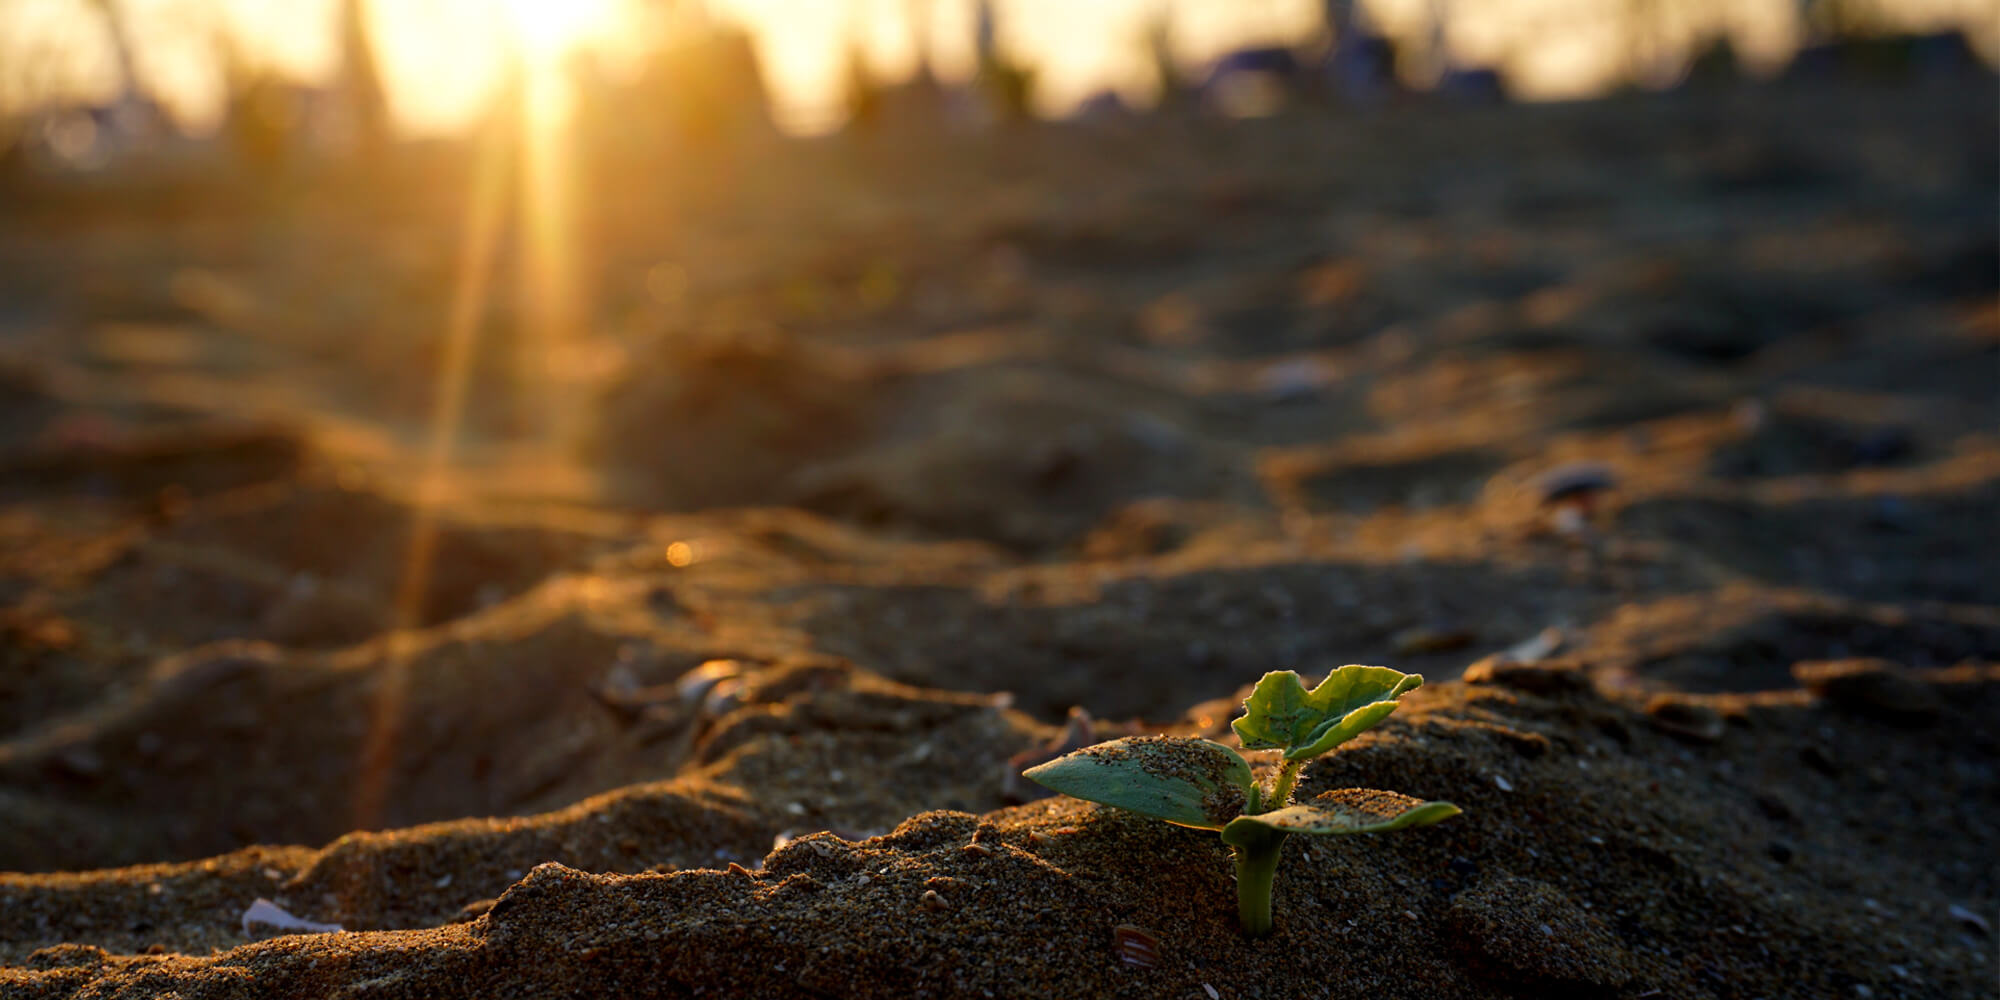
(712, 686)
(1540, 647)
(270, 914)
(1136, 945)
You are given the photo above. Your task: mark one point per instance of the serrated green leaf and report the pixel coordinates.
(1345, 810)
(1192, 782)
(1281, 713)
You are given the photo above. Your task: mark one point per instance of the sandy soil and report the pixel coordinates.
(934, 440)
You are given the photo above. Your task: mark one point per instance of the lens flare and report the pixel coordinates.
(550, 28)
(484, 217)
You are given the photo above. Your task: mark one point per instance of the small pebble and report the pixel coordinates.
(1820, 759)
(1501, 781)
(79, 762)
(1298, 378)
(1431, 639)
(1970, 919)
(1891, 513)
(1878, 689)
(1574, 481)
(1540, 676)
(1569, 521)
(1688, 720)
(1749, 415)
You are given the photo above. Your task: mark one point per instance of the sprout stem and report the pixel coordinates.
(1257, 858)
(1281, 789)
(1256, 864)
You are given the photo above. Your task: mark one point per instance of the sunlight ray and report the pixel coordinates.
(484, 217)
(548, 263)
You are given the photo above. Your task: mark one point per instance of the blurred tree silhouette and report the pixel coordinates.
(863, 97)
(258, 117)
(1009, 85)
(119, 32)
(1175, 90)
(360, 83)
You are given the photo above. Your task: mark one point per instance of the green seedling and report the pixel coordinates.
(1208, 786)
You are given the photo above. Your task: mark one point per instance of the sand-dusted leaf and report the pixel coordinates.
(1345, 810)
(1281, 713)
(1192, 782)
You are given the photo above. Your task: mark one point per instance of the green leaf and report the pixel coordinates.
(1192, 782)
(1345, 810)
(1281, 713)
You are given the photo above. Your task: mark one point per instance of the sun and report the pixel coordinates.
(553, 27)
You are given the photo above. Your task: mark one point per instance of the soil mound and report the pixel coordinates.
(1603, 852)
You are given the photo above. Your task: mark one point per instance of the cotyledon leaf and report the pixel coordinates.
(1344, 810)
(1192, 782)
(1281, 713)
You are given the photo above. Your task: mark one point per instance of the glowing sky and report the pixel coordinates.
(441, 57)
